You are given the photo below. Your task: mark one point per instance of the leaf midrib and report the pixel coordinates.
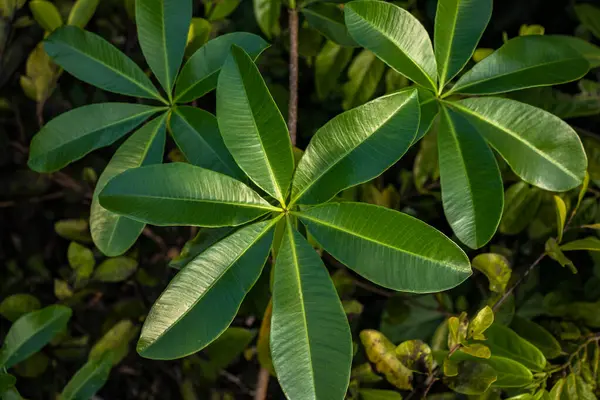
(425, 74)
(515, 136)
(352, 233)
(459, 89)
(448, 52)
(154, 95)
(217, 279)
(346, 153)
(301, 297)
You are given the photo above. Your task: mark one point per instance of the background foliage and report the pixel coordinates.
(544, 335)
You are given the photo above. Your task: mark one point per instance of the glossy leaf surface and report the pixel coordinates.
(472, 190)
(257, 136)
(88, 380)
(587, 50)
(182, 194)
(459, 25)
(92, 59)
(356, 146)
(31, 332)
(163, 27)
(504, 342)
(523, 62)
(329, 20)
(196, 133)
(72, 135)
(413, 256)
(396, 36)
(519, 132)
(200, 73)
(114, 234)
(311, 343)
(204, 297)
(537, 335)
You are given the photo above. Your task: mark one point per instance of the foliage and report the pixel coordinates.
(323, 262)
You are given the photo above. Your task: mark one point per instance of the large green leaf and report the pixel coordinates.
(88, 380)
(163, 27)
(411, 256)
(356, 146)
(204, 297)
(364, 74)
(311, 343)
(92, 59)
(459, 25)
(509, 373)
(197, 135)
(472, 190)
(587, 50)
(537, 335)
(252, 126)
(396, 36)
(200, 73)
(329, 64)
(114, 234)
(182, 194)
(72, 135)
(504, 342)
(329, 20)
(31, 332)
(524, 62)
(519, 132)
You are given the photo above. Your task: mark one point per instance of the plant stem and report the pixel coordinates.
(518, 282)
(293, 104)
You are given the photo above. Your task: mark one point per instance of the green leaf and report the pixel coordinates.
(364, 75)
(537, 335)
(561, 216)
(396, 36)
(480, 323)
(311, 343)
(88, 379)
(589, 16)
(589, 243)
(81, 260)
(72, 135)
(204, 297)
(115, 343)
(198, 35)
(519, 132)
(472, 378)
(587, 50)
(11, 394)
(459, 25)
(496, 268)
(356, 146)
(412, 256)
(92, 59)
(115, 269)
(163, 27)
(33, 366)
(504, 342)
(477, 350)
(114, 234)
(472, 189)
(205, 238)
(429, 112)
(267, 13)
(220, 9)
(553, 250)
(329, 65)
(520, 207)
(576, 387)
(81, 12)
(196, 133)
(523, 62)
(182, 194)
(329, 20)
(257, 137)
(46, 14)
(31, 332)
(12, 307)
(379, 394)
(415, 355)
(200, 73)
(7, 381)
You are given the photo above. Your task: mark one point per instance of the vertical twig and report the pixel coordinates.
(293, 105)
(518, 282)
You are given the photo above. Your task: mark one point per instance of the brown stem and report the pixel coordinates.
(262, 384)
(293, 105)
(509, 291)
